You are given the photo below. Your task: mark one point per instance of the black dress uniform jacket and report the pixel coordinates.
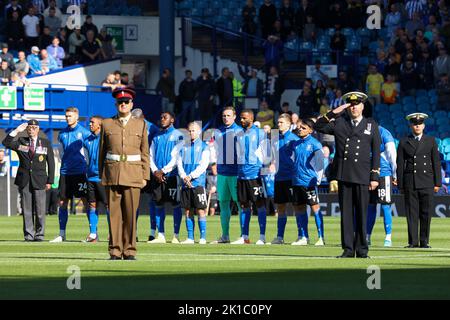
(357, 148)
(418, 163)
(33, 169)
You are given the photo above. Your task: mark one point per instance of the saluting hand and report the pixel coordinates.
(436, 189)
(341, 108)
(373, 185)
(22, 127)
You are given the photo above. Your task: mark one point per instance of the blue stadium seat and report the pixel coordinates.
(348, 32)
(440, 114)
(433, 99)
(421, 93)
(397, 115)
(446, 141)
(306, 46)
(432, 93)
(381, 107)
(330, 32)
(408, 100)
(442, 121)
(422, 99)
(373, 46)
(447, 157)
(323, 46)
(396, 108)
(409, 108)
(217, 4)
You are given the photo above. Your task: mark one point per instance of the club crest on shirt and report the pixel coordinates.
(41, 158)
(79, 135)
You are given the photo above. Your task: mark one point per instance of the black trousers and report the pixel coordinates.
(418, 206)
(353, 202)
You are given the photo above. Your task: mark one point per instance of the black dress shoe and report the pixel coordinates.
(410, 246)
(425, 246)
(150, 238)
(38, 239)
(28, 240)
(115, 258)
(129, 258)
(346, 255)
(362, 256)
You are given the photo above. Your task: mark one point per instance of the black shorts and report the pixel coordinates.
(305, 195)
(250, 190)
(383, 193)
(194, 198)
(96, 192)
(283, 192)
(166, 192)
(72, 186)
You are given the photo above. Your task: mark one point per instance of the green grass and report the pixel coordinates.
(39, 270)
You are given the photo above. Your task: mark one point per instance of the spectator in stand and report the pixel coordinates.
(45, 39)
(34, 62)
(274, 89)
(248, 18)
(166, 88)
(39, 6)
(441, 64)
(337, 101)
(31, 25)
(393, 20)
(187, 93)
(110, 82)
(415, 6)
(443, 91)
(381, 62)
(125, 80)
(117, 76)
(373, 84)
(90, 49)
(285, 108)
(12, 7)
(48, 63)
(22, 64)
(301, 15)
(253, 86)
(76, 40)
(108, 50)
(19, 79)
(309, 30)
(324, 106)
(6, 56)
(425, 69)
(206, 90)
(265, 116)
(344, 82)
(273, 50)
(267, 17)
(432, 23)
(53, 22)
(337, 44)
(63, 40)
(52, 5)
(307, 104)
(389, 90)
(287, 18)
(318, 74)
(56, 52)
(412, 25)
(409, 79)
(5, 73)
(319, 92)
(15, 32)
(224, 86)
(89, 25)
(3, 164)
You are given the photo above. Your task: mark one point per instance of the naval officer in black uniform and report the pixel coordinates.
(35, 175)
(419, 177)
(356, 167)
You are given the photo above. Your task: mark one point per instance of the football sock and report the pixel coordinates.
(202, 227)
(302, 224)
(63, 217)
(190, 225)
(177, 217)
(371, 218)
(281, 225)
(262, 220)
(387, 218)
(225, 215)
(93, 220)
(245, 221)
(160, 217)
(318, 216)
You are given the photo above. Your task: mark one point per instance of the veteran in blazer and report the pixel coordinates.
(34, 176)
(418, 178)
(124, 168)
(356, 167)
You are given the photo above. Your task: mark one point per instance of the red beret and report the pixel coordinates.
(123, 93)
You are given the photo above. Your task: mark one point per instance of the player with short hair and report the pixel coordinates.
(96, 192)
(282, 154)
(164, 184)
(307, 174)
(383, 193)
(193, 160)
(73, 181)
(249, 149)
(227, 169)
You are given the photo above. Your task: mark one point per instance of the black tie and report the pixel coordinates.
(418, 139)
(355, 123)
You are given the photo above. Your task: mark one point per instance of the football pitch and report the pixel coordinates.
(41, 270)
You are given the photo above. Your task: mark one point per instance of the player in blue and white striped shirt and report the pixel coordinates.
(383, 194)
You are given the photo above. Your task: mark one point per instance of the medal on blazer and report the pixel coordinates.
(41, 158)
